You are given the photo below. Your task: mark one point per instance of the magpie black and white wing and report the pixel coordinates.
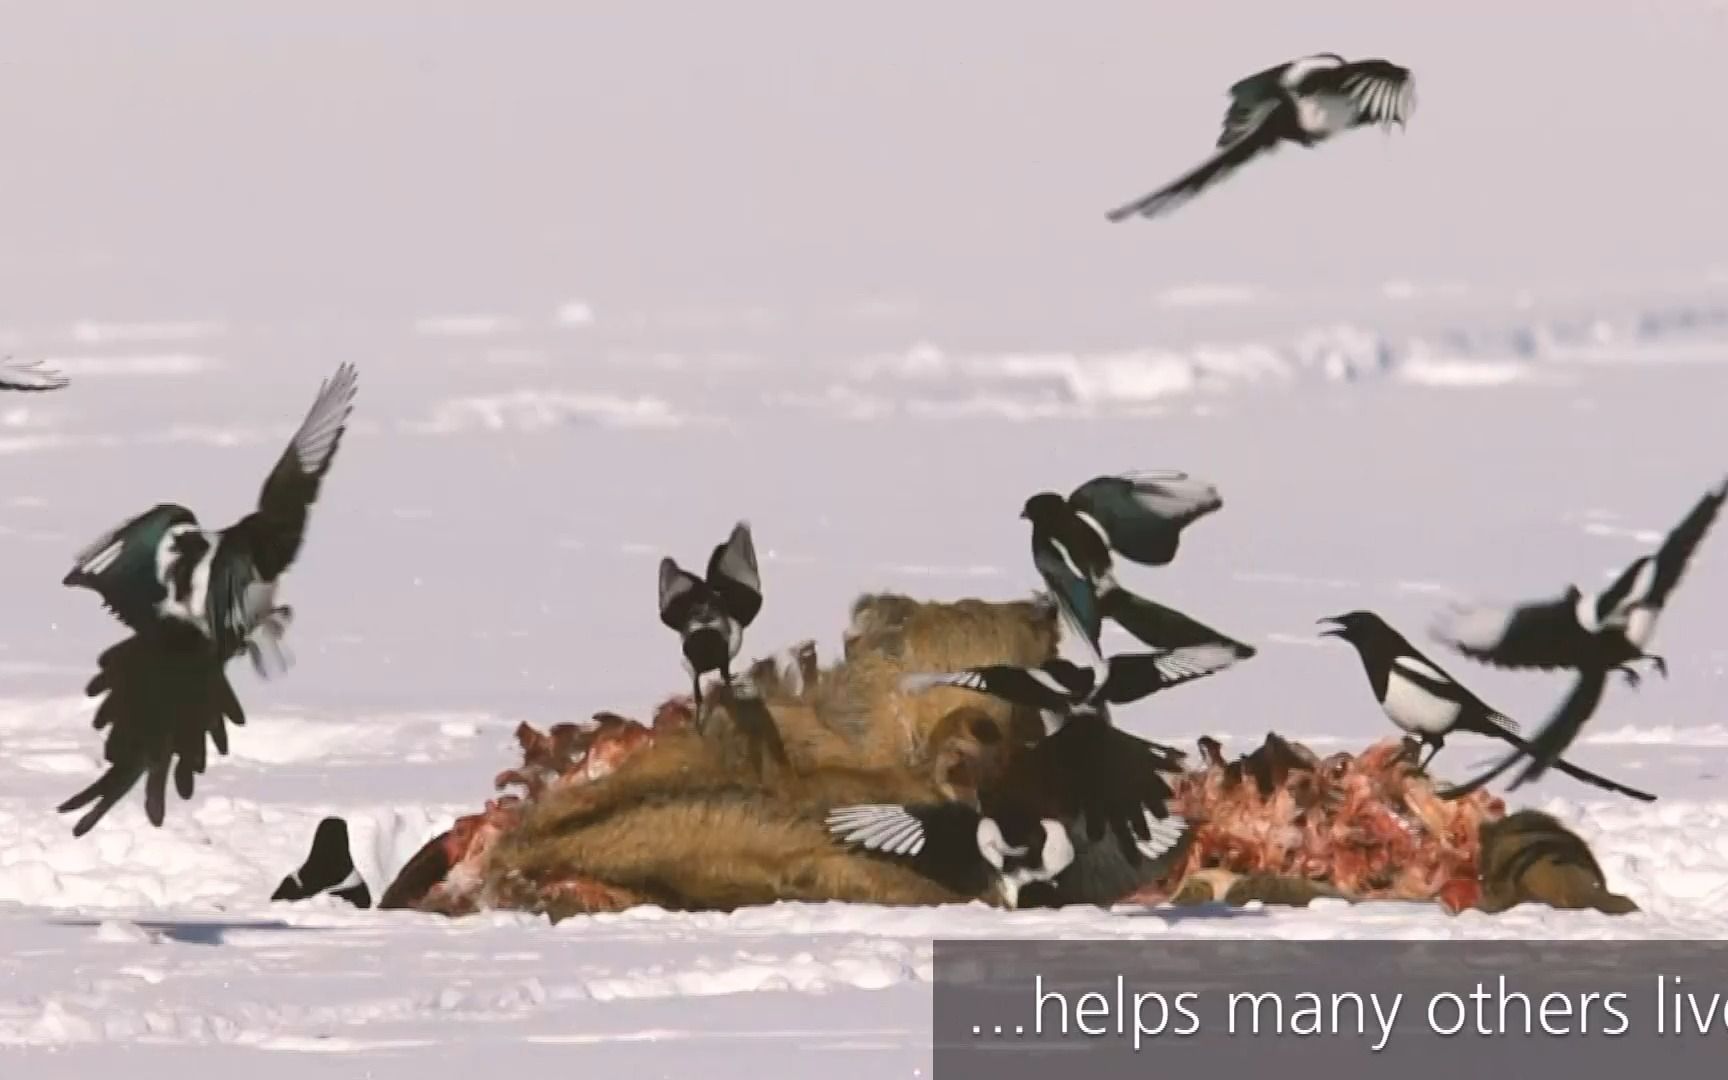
(1545, 635)
(165, 692)
(1256, 137)
(120, 566)
(1165, 628)
(1134, 676)
(252, 554)
(1051, 688)
(29, 376)
(275, 531)
(940, 829)
(1381, 92)
(733, 573)
(680, 592)
(1118, 782)
(1677, 550)
(1144, 513)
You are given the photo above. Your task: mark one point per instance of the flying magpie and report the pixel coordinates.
(194, 599)
(1305, 101)
(1593, 635)
(1096, 769)
(1424, 700)
(711, 613)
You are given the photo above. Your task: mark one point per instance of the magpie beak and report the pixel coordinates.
(1336, 631)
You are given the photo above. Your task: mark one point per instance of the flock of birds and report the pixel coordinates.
(194, 599)
(1086, 767)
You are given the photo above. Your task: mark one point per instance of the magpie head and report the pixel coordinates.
(189, 544)
(1044, 506)
(1355, 627)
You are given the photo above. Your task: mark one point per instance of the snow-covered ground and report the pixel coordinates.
(1409, 386)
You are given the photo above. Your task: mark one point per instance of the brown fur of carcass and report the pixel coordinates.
(730, 812)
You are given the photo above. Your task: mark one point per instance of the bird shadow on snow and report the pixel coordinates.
(195, 931)
(1188, 912)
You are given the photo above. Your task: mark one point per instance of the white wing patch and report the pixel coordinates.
(1193, 661)
(1174, 495)
(738, 558)
(316, 439)
(1165, 834)
(883, 827)
(1380, 100)
(919, 681)
(1303, 67)
(1478, 628)
(1416, 667)
(103, 559)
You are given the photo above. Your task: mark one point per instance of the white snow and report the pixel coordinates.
(864, 296)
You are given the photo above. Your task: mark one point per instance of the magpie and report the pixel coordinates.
(328, 868)
(1592, 635)
(1424, 700)
(1138, 515)
(959, 847)
(1304, 101)
(29, 376)
(1111, 777)
(711, 613)
(195, 599)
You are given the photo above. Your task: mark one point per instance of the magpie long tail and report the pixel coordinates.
(1562, 729)
(166, 692)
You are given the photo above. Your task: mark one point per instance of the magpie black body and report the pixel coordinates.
(1422, 699)
(327, 868)
(961, 848)
(1116, 780)
(195, 599)
(1592, 635)
(711, 613)
(1304, 101)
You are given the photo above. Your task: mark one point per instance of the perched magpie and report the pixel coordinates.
(1111, 777)
(328, 868)
(1593, 635)
(194, 599)
(958, 847)
(1305, 101)
(1425, 701)
(710, 614)
(28, 376)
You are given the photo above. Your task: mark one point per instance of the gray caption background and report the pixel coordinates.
(989, 984)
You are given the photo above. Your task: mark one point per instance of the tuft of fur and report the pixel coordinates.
(715, 850)
(892, 636)
(1529, 857)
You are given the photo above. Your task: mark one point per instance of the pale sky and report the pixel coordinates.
(192, 159)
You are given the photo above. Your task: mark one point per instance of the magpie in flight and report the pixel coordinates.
(1305, 101)
(29, 376)
(710, 614)
(195, 599)
(1593, 635)
(328, 868)
(1115, 779)
(1139, 516)
(1424, 700)
(959, 847)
